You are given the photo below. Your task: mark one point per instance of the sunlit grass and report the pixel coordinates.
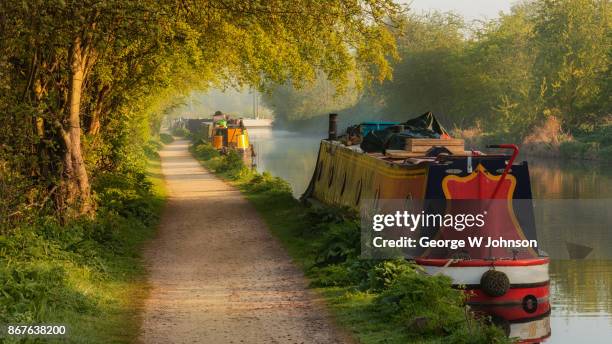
(88, 274)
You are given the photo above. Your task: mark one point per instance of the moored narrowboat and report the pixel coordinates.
(419, 160)
(225, 135)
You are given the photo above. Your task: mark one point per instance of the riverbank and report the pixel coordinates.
(548, 140)
(87, 273)
(377, 301)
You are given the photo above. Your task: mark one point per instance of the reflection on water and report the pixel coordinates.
(581, 291)
(551, 179)
(285, 154)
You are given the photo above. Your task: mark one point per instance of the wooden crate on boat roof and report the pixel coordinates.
(456, 146)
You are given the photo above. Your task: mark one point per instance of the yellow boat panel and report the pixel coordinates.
(345, 177)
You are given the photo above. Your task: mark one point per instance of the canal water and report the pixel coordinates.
(581, 290)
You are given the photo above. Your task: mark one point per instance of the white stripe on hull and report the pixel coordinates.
(470, 275)
(531, 330)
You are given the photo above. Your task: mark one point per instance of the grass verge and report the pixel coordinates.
(88, 273)
(387, 301)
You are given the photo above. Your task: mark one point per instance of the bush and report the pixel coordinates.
(605, 153)
(166, 138)
(151, 149)
(339, 242)
(595, 143)
(413, 296)
(205, 151)
(384, 274)
(331, 276)
(265, 182)
(231, 164)
(579, 150)
(180, 132)
(52, 271)
(430, 306)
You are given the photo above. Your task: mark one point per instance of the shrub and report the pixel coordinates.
(205, 151)
(50, 268)
(150, 149)
(166, 138)
(425, 304)
(331, 276)
(579, 150)
(339, 242)
(384, 274)
(265, 182)
(180, 132)
(231, 164)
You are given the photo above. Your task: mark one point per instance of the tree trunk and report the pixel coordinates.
(76, 180)
(94, 125)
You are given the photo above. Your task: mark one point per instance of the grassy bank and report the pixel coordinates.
(86, 273)
(378, 301)
(548, 140)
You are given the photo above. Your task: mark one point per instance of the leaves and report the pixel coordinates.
(142, 56)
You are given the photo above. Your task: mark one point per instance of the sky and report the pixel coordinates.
(469, 9)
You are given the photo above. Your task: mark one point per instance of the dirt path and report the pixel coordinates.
(218, 276)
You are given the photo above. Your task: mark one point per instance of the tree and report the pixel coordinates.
(573, 41)
(78, 67)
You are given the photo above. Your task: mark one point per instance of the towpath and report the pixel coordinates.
(217, 274)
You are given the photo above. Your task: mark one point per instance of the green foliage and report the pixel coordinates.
(573, 57)
(414, 295)
(166, 138)
(150, 149)
(384, 274)
(105, 73)
(205, 151)
(84, 273)
(230, 163)
(339, 242)
(266, 183)
(589, 143)
(335, 275)
(180, 132)
(504, 76)
(291, 102)
(429, 306)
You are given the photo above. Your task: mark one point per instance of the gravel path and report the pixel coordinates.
(217, 274)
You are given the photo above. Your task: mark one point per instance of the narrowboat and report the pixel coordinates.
(419, 160)
(223, 134)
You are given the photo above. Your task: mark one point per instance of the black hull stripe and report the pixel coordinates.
(512, 286)
(503, 303)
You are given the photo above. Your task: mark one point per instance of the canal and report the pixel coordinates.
(581, 290)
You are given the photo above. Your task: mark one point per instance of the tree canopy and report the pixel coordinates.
(84, 83)
(544, 58)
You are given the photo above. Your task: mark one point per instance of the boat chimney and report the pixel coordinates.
(333, 126)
